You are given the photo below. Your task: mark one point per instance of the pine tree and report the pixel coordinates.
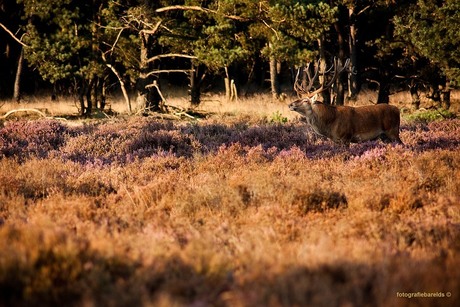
(431, 30)
(63, 43)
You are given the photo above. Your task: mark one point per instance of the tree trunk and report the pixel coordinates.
(340, 83)
(434, 93)
(353, 85)
(17, 80)
(340, 89)
(275, 71)
(384, 92)
(85, 93)
(227, 85)
(104, 95)
(195, 86)
(233, 90)
(274, 78)
(230, 87)
(81, 98)
(445, 96)
(253, 77)
(89, 101)
(413, 90)
(142, 81)
(147, 95)
(95, 91)
(326, 95)
(154, 99)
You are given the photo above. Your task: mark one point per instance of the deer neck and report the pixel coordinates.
(322, 117)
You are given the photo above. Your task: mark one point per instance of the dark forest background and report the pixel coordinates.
(88, 49)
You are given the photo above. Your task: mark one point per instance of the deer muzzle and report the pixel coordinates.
(293, 106)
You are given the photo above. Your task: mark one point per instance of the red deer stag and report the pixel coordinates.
(344, 124)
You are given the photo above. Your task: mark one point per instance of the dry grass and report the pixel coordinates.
(236, 210)
(259, 105)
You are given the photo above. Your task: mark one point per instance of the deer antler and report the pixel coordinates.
(301, 89)
(298, 86)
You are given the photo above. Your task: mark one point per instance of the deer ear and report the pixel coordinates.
(314, 98)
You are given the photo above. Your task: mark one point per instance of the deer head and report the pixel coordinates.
(303, 105)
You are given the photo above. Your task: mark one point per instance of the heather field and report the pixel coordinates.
(231, 210)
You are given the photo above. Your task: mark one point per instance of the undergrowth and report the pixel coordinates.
(241, 212)
(430, 115)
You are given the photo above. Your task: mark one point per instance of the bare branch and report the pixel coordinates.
(117, 39)
(25, 110)
(161, 71)
(155, 85)
(117, 74)
(170, 55)
(122, 85)
(12, 35)
(139, 24)
(363, 10)
(153, 29)
(183, 8)
(42, 114)
(271, 28)
(110, 27)
(200, 9)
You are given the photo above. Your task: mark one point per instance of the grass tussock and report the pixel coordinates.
(242, 211)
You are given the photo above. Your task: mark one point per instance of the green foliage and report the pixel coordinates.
(67, 38)
(62, 39)
(221, 45)
(121, 41)
(277, 117)
(291, 29)
(431, 115)
(431, 27)
(236, 31)
(222, 40)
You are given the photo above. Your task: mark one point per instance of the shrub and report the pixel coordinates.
(238, 212)
(426, 116)
(320, 200)
(278, 118)
(23, 139)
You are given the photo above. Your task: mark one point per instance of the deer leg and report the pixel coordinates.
(392, 136)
